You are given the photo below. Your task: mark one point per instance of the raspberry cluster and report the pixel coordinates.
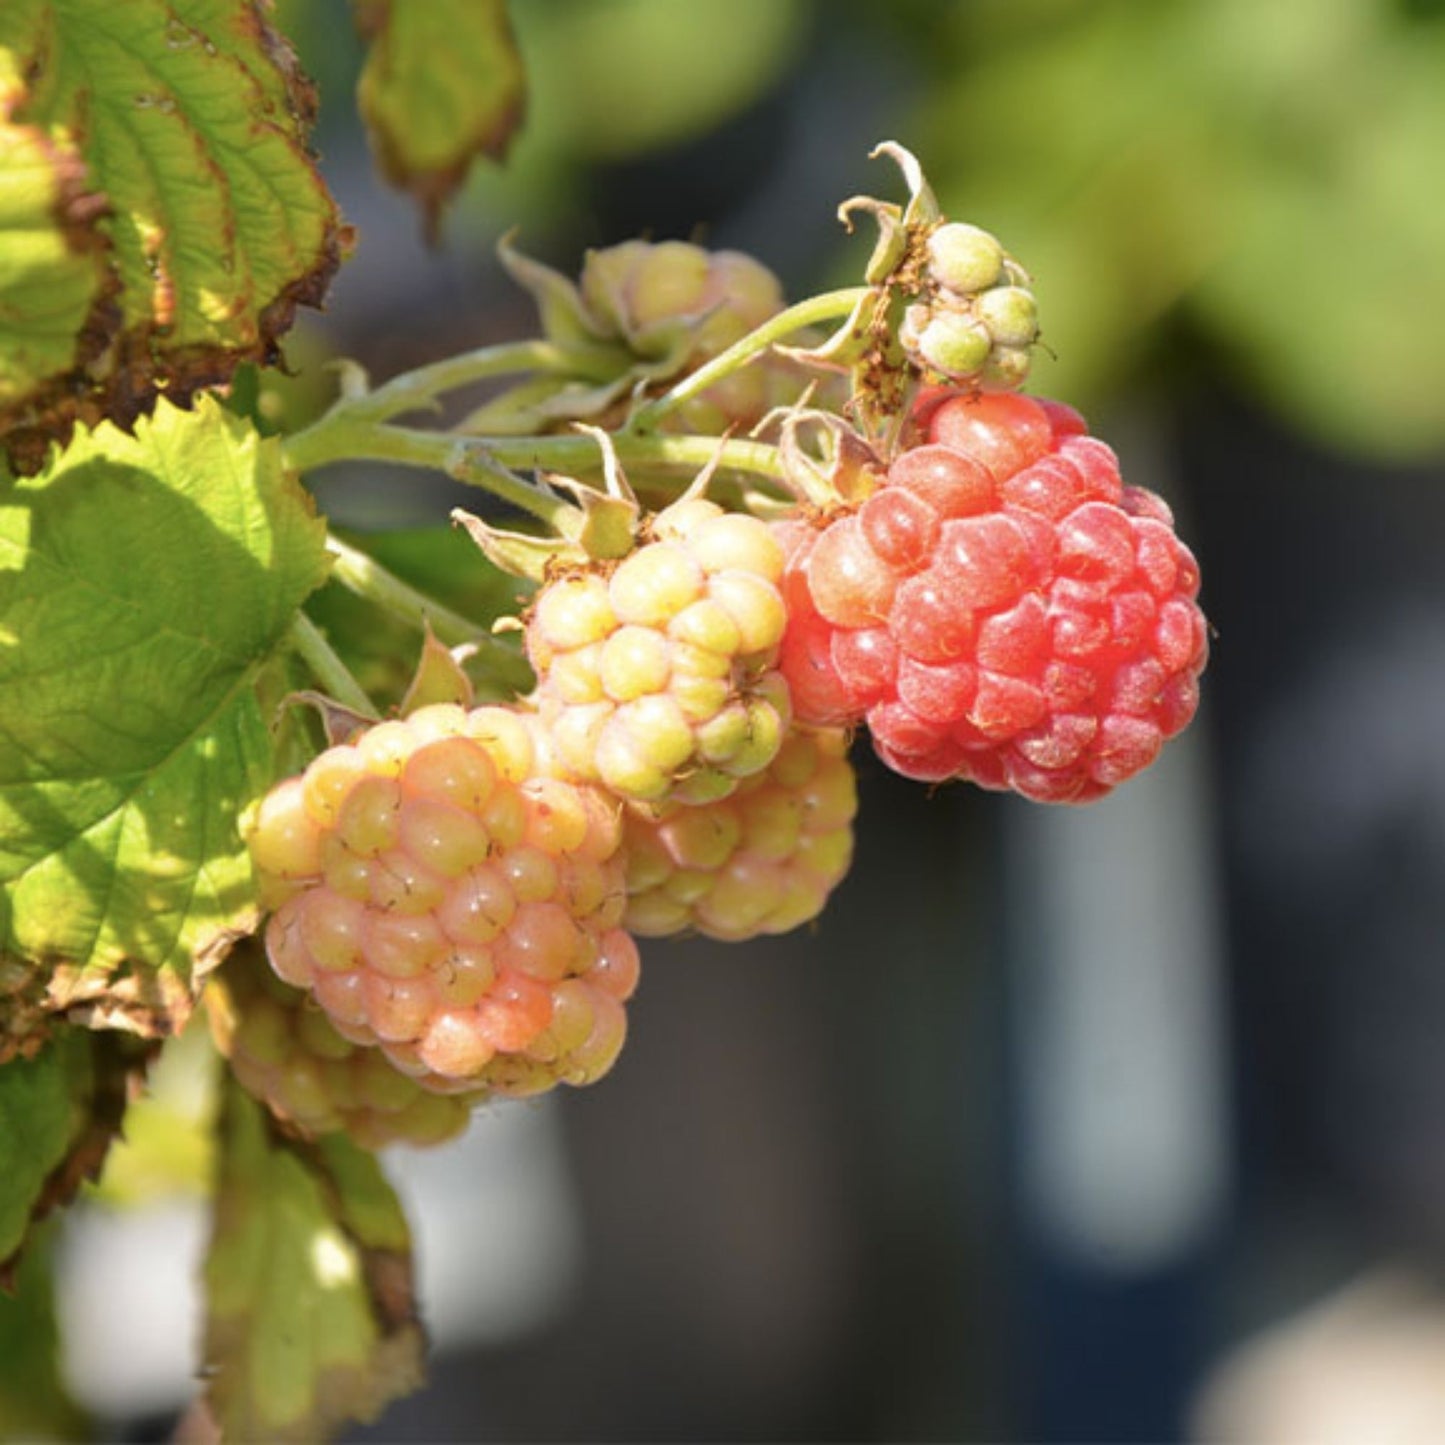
(1002, 609)
(454, 894)
(445, 895)
(656, 675)
(763, 860)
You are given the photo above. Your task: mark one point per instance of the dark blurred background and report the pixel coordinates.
(1125, 1123)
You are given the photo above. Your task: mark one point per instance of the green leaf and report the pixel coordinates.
(53, 266)
(199, 226)
(60, 1111)
(34, 1404)
(442, 84)
(439, 678)
(38, 1121)
(144, 581)
(310, 1316)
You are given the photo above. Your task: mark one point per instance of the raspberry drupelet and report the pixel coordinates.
(285, 1052)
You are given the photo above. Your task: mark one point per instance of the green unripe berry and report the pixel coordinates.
(953, 343)
(964, 258)
(1010, 313)
(1007, 369)
(670, 282)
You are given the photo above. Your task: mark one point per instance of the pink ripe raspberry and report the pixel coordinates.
(285, 1052)
(763, 860)
(445, 895)
(657, 677)
(1003, 609)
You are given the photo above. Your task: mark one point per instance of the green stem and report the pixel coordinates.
(685, 454)
(830, 306)
(367, 578)
(419, 388)
(327, 668)
(486, 461)
(345, 437)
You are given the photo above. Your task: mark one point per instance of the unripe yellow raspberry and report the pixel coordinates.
(657, 677)
(762, 860)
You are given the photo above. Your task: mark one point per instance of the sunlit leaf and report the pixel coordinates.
(311, 1320)
(161, 215)
(143, 583)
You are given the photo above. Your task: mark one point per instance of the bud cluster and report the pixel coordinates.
(975, 321)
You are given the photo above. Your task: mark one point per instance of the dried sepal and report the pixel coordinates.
(522, 554)
(339, 722)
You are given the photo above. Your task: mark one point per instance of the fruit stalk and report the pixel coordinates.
(367, 578)
(482, 461)
(328, 669)
(420, 388)
(830, 306)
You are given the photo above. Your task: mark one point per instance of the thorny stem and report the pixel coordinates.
(367, 578)
(830, 306)
(328, 669)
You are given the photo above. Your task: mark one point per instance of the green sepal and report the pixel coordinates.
(439, 676)
(846, 346)
(338, 722)
(842, 471)
(520, 553)
(563, 314)
(542, 403)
